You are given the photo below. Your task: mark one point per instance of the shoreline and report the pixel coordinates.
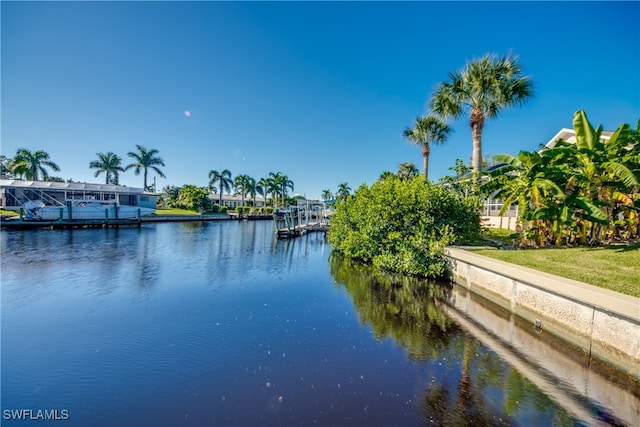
(604, 324)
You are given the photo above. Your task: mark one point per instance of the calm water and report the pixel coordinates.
(218, 324)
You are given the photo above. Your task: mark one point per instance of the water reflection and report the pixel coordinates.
(403, 308)
(468, 383)
(200, 323)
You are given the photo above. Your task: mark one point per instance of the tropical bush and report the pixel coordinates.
(243, 210)
(191, 197)
(576, 193)
(224, 209)
(403, 225)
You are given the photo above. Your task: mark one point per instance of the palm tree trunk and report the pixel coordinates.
(426, 150)
(477, 124)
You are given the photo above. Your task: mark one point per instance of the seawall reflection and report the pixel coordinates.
(483, 365)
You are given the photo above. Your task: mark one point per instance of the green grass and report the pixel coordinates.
(610, 267)
(8, 213)
(506, 237)
(172, 211)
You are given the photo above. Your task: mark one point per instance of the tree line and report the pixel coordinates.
(34, 165)
(247, 187)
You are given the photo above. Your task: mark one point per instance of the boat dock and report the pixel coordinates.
(305, 218)
(18, 224)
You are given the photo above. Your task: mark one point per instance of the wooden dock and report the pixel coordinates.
(299, 230)
(18, 224)
(289, 225)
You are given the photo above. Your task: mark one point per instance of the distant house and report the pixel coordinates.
(569, 135)
(493, 204)
(14, 193)
(235, 200)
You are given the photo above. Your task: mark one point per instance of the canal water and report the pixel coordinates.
(220, 324)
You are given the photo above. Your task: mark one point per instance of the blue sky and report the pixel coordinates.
(320, 91)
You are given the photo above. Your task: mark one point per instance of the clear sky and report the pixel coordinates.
(320, 91)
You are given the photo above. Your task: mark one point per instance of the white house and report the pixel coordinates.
(235, 200)
(15, 192)
(493, 204)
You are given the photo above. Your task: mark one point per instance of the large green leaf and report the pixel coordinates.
(620, 137)
(586, 136)
(593, 212)
(623, 173)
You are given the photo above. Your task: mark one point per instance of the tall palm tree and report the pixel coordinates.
(483, 88)
(223, 179)
(110, 164)
(261, 186)
(280, 184)
(146, 159)
(285, 183)
(32, 165)
(326, 194)
(252, 189)
(242, 185)
(273, 189)
(407, 170)
(427, 130)
(343, 191)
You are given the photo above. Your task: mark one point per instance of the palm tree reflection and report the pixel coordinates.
(469, 385)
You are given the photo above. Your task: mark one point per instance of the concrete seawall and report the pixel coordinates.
(601, 323)
(567, 376)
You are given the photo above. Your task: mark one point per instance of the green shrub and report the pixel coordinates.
(268, 210)
(224, 209)
(404, 225)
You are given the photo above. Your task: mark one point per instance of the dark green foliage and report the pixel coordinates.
(224, 209)
(575, 193)
(404, 225)
(404, 308)
(191, 197)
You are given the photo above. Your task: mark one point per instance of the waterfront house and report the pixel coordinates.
(14, 193)
(234, 200)
(493, 204)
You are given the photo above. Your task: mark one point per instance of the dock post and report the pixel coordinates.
(140, 219)
(60, 214)
(69, 208)
(106, 217)
(21, 213)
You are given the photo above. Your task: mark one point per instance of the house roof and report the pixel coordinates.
(77, 186)
(233, 197)
(569, 135)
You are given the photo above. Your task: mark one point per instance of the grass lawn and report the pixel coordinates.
(8, 213)
(172, 211)
(611, 267)
(503, 235)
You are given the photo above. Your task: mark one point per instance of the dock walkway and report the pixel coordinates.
(290, 224)
(65, 224)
